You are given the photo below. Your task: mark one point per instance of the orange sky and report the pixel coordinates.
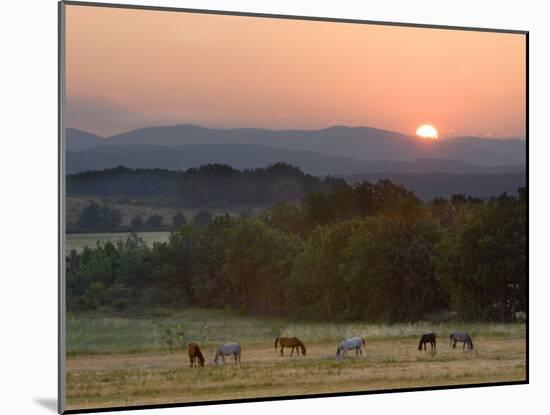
(131, 68)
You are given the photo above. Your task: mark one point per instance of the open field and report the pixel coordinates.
(115, 361)
(78, 241)
(144, 208)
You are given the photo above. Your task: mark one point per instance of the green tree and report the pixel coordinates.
(202, 217)
(137, 222)
(111, 218)
(179, 220)
(257, 264)
(483, 263)
(95, 216)
(154, 221)
(318, 283)
(388, 264)
(90, 217)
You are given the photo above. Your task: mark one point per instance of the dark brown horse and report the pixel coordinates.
(427, 338)
(195, 356)
(292, 342)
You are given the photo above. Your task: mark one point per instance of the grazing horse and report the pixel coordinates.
(293, 342)
(228, 349)
(356, 343)
(463, 337)
(427, 338)
(195, 356)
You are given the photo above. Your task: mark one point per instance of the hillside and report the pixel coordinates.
(357, 143)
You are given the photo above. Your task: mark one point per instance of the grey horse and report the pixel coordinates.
(356, 343)
(462, 337)
(228, 349)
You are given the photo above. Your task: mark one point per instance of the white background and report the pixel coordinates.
(28, 207)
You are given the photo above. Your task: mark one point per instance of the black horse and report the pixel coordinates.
(427, 338)
(462, 337)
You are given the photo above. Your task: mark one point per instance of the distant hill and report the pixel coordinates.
(357, 143)
(78, 140)
(249, 156)
(212, 185)
(221, 185)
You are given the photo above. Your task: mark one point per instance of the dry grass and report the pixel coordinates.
(163, 377)
(99, 333)
(78, 241)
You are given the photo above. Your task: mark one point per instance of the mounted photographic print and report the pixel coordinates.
(258, 207)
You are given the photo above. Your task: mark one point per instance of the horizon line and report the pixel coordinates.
(441, 138)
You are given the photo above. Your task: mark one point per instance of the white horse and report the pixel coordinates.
(356, 343)
(228, 349)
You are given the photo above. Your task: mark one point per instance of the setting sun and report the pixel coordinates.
(427, 131)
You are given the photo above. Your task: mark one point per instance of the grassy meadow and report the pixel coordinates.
(117, 361)
(78, 241)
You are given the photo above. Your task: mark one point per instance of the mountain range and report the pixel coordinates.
(336, 150)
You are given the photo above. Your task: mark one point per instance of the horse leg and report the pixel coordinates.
(282, 347)
(223, 359)
(235, 355)
(291, 351)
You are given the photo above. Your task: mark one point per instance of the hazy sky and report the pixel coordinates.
(128, 69)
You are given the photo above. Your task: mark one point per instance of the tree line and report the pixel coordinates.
(97, 217)
(210, 185)
(372, 252)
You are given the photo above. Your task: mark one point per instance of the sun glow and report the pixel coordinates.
(427, 131)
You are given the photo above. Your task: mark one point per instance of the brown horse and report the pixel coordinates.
(195, 356)
(427, 338)
(293, 342)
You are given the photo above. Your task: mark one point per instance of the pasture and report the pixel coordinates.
(114, 361)
(78, 241)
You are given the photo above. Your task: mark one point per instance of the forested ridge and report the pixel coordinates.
(210, 185)
(373, 252)
(223, 186)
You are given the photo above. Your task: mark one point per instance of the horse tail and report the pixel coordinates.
(450, 339)
(471, 343)
(420, 344)
(276, 341)
(363, 340)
